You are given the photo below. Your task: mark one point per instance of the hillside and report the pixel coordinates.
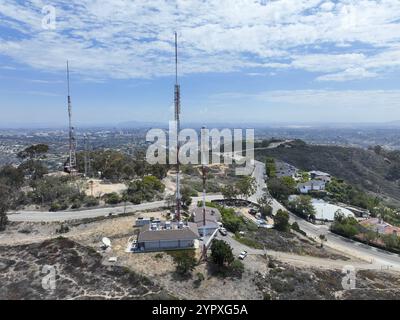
(80, 274)
(362, 168)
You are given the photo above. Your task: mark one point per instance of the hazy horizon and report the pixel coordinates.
(146, 124)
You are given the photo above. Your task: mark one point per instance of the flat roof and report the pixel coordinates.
(319, 173)
(212, 214)
(311, 183)
(326, 211)
(189, 231)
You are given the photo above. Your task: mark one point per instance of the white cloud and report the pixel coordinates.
(319, 98)
(311, 105)
(334, 98)
(348, 74)
(132, 39)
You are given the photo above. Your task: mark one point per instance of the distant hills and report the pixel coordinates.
(210, 124)
(372, 172)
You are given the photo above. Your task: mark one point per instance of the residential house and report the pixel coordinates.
(380, 226)
(359, 212)
(312, 185)
(284, 169)
(209, 224)
(319, 175)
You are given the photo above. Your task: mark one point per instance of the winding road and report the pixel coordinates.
(61, 216)
(377, 257)
(381, 258)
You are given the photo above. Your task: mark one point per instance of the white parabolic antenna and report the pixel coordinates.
(106, 242)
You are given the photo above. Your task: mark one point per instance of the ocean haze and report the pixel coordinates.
(257, 125)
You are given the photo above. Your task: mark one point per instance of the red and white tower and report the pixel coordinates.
(70, 166)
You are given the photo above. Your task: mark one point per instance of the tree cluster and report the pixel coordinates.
(244, 187)
(116, 166)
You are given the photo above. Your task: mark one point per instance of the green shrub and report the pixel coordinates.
(159, 256)
(267, 296)
(200, 276)
(63, 229)
(185, 261)
(237, 267)
(91, 201)
(58, 206)
(221, 253)
(296, 227)
(76, 204)
(281, 221)
(281, 188)
(345, 226)
(248, 242)
(303, 207)
(55, 206)
(270, 167)
(144, 190)
(112, 198)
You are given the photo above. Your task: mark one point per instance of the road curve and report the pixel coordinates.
(356, 249)
(347, 246)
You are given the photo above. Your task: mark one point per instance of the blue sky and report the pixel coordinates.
(241, 61)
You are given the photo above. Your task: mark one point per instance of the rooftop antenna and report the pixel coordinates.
(177, 120)
(71, 166)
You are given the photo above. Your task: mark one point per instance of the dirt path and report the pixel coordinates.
(321, 263)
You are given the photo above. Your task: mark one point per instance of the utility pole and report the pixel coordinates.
(71, 166)
(88, 169)
(177, 101)
(86, 155)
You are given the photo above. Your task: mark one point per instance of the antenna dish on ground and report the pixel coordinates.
(106, 242)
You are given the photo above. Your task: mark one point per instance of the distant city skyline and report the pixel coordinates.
(251, 61)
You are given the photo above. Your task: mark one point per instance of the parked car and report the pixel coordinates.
(266, 226)
(223, 232)
(252, 211)
(243, 255)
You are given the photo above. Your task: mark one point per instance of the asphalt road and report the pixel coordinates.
(353, 248)
(45, 216)
(291, 258)
(356, 249)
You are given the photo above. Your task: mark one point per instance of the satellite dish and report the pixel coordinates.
(106, 242)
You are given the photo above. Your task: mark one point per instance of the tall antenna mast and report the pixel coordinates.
(71, 166)
(204, 176)
(177, 120)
